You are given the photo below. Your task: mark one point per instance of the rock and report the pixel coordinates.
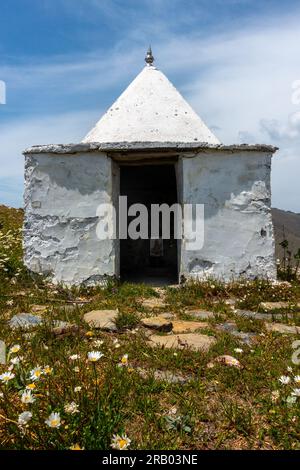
(268, 306)
(201, 314)
(180, 326)
(231, 328)
(226, 360)
(263, 316)
(195, 341)
(157, 323)
(25, 321)
(38, 308)
(153, 303)
(167, 315)
(281, 328)
(230, 302)
(102, 319)
(164, 376)
(65, 328)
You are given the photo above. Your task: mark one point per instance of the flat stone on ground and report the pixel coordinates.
(164, 376)
(262, 316)
(102, 319)
(25, 321)
(157, 323)
(180, 326)
(231, 328)
(38, 308)
(267, 306)
(154, 303)
(201, 314)
(195, 341)
(281, 328)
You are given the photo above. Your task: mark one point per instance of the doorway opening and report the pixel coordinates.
(145, 260)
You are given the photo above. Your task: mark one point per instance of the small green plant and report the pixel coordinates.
(127, 320)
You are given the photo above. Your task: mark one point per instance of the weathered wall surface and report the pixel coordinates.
(238, 231)
(62, 193)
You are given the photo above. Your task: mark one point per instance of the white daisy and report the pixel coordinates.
(94, 356)
(297, 378)
(14, 349)
(124, 361)
(36, 373)
(71, 408)
(120, 442)
(74, 357)
(27, 397)
(77, 389)
(16, 360)
(296, 392)
(284, 379)
(238, 350)
(24, 418)
(6, 377)
(53, 420)
(98, 343)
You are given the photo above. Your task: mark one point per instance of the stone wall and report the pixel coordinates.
(238, 231)
(62, 193)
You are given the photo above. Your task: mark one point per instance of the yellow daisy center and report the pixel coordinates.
(122, 443)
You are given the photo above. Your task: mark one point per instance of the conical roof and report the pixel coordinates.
(151, 110)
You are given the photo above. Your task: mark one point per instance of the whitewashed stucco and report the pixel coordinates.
(238, 231)
(151, 110)
(62, 193)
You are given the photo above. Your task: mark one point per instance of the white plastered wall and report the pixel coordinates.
(62, 193)
(238, 231)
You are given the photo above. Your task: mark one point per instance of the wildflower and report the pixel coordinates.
(74, 357)
(120, 442)
(36, 373)
(275, 396)
(14, 349)
(71, 408)
(16, 360)
(284, 379)
(6, 377)
(47, 370)
(31, 386)
(89, 333)
(97, 343)
(27, 397)
(289, 369)
(53, 420)
(77, 389)
(124, 361)
(297, 378)
(76, 369)
(76, 447)
(238, 350)
(9, 302)
(94, 356)
(24, 418)
(296, 392)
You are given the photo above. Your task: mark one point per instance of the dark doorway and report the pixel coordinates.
(149, 261)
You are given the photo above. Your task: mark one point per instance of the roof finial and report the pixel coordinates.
(149, 59)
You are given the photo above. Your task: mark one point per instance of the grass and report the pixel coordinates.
(217, 408)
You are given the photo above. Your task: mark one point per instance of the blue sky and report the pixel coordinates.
(65, 61)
